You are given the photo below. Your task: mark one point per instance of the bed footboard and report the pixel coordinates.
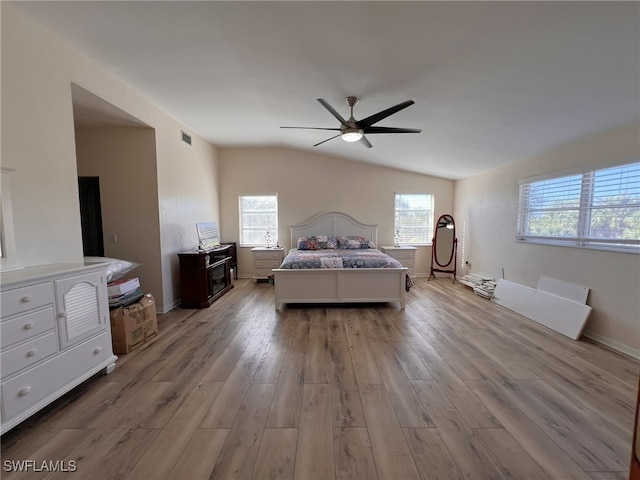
(340, 285)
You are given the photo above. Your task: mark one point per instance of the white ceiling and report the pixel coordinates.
(493, 82)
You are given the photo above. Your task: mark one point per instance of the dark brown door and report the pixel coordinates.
(91, 216)
(634, 473)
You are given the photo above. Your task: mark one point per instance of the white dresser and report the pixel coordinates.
(266, 259)
(54, 332)
(406, 255)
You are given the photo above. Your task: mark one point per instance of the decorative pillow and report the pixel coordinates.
(354, 242)
(317, 242)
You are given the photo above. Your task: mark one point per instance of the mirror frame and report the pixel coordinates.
(445, 219)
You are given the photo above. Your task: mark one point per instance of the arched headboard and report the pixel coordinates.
(333, 224)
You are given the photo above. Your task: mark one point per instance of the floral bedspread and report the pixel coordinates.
(336, 258)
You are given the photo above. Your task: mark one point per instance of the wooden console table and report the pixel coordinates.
(204, 276)
(233, 253)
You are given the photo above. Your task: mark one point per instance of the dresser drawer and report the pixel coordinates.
(26, 326)
(26, 298)
(406, 263)
(260, 264)
(27, 389)
(402, 254)
(16, 358)
(268, 255)
(263, 272)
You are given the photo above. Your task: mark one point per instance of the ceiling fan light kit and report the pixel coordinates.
(352, 134)
(353, 130)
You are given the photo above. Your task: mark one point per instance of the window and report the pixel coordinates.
(413, 222)
(258, 220)
(594, 209)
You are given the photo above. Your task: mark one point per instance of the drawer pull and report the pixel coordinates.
(31, 352)
(61, 315)
(24, 391)
(28, 326)
(26, 299)
(97, 350)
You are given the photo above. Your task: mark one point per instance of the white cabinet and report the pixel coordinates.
(406, 255)
(266, 259)
(80, 312)
(55, 334)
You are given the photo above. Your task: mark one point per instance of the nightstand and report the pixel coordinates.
(264, 260)
(406, 255)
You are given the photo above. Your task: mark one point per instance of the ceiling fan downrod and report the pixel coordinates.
(352, 101)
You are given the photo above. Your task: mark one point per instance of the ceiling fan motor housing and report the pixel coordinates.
(352, 101)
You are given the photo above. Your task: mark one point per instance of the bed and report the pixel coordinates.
(341, 280)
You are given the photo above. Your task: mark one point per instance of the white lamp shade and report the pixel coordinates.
(352, 135)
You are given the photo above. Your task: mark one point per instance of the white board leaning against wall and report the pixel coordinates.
(556, 304)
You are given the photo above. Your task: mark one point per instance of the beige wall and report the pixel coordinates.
(37, 141)
(188, 193)
(487, 204)
(309, 183)
(38, 69)
(124, 159)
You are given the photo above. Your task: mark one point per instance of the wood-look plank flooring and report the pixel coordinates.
(453, 387)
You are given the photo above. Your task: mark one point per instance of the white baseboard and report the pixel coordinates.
(174, 305)
(612, 344)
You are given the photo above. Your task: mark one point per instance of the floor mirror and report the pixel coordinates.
(444, 250)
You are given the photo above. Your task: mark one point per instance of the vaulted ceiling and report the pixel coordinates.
(493, 82)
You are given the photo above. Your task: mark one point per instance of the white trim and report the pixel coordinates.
(575, 243)
(612, 344)
(579, 170)
(174, 305)
(8, 260)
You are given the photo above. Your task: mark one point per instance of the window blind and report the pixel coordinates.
(258, 219)
(414, 218)
(596, 208)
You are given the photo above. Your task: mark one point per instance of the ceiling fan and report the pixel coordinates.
(353, 130)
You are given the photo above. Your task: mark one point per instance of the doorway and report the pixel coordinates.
(91, 216)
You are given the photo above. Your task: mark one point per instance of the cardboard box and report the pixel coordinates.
(134, 325)
(122, 287)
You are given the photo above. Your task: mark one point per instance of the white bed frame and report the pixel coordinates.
(338, 285)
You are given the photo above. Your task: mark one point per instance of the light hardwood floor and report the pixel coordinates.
(454, 387)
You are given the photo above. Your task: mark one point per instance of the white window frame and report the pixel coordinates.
(272, 228)
(399, 229)
(583, 207)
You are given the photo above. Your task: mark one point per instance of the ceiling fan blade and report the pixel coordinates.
(336, 136)
(365, 142)
(369, 130)
(333, 112)
(314, 128)
(367, 122)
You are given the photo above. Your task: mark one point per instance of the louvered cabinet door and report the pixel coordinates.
(81, 308)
